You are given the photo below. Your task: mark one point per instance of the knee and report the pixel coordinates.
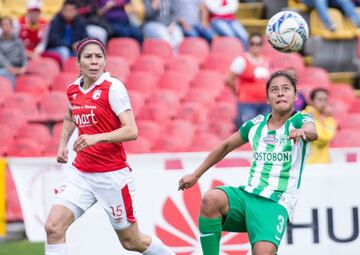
(54, 231)
(132, 244)
(213, 203)
(262, 248)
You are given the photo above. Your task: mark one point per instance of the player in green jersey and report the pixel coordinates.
(264, 204)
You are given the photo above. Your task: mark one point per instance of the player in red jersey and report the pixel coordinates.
(101, 110)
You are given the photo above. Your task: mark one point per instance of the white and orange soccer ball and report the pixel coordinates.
(287, 31)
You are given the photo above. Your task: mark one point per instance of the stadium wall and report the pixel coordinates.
(326, 220)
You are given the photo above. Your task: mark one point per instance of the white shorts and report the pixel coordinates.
(113, 190)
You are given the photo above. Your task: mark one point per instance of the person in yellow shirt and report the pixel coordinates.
(320, 110)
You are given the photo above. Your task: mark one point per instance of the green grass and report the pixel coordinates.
(21, 248)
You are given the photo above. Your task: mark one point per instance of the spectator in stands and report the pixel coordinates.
(300, 102)
(33, 30)
(96, 26)
(247, 78)
(191, 15)
(160, 22)
(67, 28)
(223, 20)
(136, 12)
(321, 6)
(114, 12)
(12, 53)
(320, 110)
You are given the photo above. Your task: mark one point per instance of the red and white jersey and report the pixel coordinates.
(95, 110)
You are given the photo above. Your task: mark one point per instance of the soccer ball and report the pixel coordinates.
(287, 31)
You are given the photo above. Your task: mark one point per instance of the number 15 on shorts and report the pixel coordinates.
(117, 213)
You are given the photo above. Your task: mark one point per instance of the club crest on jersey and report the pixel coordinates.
(74, 96)
(270, 139)
(96, 94)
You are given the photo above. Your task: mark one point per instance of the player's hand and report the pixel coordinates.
(84, 141)
(62, 155)
(296, 135)
(187, 181)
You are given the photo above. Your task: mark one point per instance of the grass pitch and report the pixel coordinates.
(21, 248)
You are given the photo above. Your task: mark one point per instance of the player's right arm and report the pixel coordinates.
(67, 130)
(218, 153)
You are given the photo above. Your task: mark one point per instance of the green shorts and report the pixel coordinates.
(262, 218)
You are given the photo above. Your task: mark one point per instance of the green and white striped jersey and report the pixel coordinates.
(277, 162)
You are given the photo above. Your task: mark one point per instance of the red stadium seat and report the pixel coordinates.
(51, 147)
(169, 143)
(315, 76)
(200, 95)
(6, 88)
(212, 81)
(223, 112)
(186, 64)
(118, 67)
(56, 131)
(25, 103)
(63, 80)
(54, 106)
(46, 67)
(149, 129)
(217, 62)
(226, 95)
(175, 81)
(342, 92)
(349, 121)
(70, 65)
(137, 100)
(141, 81)
(355, 106)
(193, 112)
(13, 208)
(228, 46)
(37, 132)
(204, 142)
(168, 98)
(32, 84)
(221, 129)
(127, 48)
(346, 138)
(157, 47)
(194, 46)
(284, 61)
(181, 128)
(156, 112)
(24, 148)
(12, 118)
(150, 63)
(6, 137)
(338, 107)
(138, 146)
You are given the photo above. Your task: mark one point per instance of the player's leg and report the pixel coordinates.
(70, 203)
(115, 192)
(214, 206)
(58, 221)
(133, 240)
(266, 223)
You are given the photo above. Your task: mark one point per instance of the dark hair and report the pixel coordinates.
(86, 41)
(255, 34)
(6, 18)
(285, 74)
(70, 2)
(317, 90)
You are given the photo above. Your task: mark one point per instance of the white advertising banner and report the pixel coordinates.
(326, 220)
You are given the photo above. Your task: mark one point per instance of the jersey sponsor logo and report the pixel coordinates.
(270, 139)
(272, 156)
(74, 96)
(96, 94)
(85, 119)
